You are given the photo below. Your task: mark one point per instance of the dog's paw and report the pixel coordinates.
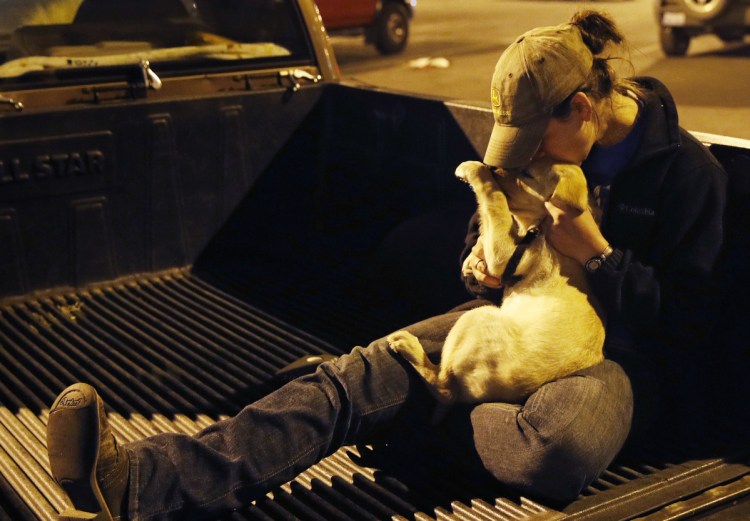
(401, 340)
(406, 344)
(471, 171)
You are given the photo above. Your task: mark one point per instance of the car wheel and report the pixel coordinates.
(391, 28)
(674, 41)
(705, 9)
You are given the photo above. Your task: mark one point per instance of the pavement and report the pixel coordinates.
(710, 85)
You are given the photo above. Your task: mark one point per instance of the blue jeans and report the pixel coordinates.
(554, 445)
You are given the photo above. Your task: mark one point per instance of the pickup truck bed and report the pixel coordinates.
(223, 240)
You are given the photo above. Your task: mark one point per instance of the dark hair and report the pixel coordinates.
(598, 32)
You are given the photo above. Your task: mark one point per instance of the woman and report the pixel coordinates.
(661, 198)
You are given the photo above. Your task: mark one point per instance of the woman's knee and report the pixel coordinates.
(562, 438)
(559, 473)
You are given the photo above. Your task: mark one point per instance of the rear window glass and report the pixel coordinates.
(55, 40)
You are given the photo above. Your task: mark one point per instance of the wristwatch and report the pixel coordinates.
(595, 262)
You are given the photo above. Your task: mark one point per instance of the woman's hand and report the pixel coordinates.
(573, 233)
(475, 265)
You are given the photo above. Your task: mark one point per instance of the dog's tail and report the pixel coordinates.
(444, 391)
(448, 387)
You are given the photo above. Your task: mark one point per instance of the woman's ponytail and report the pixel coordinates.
(597, 30)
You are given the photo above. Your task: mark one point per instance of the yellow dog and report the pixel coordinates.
(548, 324)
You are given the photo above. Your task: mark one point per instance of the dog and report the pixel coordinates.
(548, 324)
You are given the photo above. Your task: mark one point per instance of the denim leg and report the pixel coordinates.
(553, 446)
(559, 441)
(269, 442)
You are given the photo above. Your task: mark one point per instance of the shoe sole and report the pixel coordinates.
(72, 429)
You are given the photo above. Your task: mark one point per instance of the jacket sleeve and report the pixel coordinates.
(668, 295)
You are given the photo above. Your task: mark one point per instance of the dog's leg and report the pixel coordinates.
(408, 346)
(571, 189)
(496, 221)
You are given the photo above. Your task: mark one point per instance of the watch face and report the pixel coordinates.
(593, 264)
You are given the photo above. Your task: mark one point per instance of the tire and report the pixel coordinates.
(705, 9)
(674, 41)
(391, 29)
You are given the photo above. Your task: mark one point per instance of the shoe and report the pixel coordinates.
(85, 458)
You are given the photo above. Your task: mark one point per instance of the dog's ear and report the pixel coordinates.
(571, 189)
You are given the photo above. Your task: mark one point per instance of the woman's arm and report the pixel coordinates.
(474, 268)
(668, 292)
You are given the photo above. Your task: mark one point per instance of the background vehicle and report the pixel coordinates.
(191, 201)
(385, 23)
(681, 20)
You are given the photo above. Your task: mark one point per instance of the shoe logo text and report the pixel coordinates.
(72, 399)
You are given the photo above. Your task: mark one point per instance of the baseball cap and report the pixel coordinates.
(534, 74)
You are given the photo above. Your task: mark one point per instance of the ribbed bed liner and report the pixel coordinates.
(171, 353)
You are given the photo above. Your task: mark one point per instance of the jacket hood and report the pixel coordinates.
(659, 112)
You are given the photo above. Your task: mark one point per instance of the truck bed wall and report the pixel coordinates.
(334, 208)
(304, 203)
(356, 226)
(91, 193)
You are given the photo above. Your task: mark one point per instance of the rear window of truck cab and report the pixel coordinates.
(90, 41)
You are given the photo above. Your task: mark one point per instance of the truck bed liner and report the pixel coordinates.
(173, 353)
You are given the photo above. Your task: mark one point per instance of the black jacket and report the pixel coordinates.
(664, 219)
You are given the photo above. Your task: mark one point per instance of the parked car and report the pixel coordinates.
(385, 23)
(681, 20)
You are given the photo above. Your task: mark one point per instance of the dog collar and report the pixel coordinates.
(509, 276)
